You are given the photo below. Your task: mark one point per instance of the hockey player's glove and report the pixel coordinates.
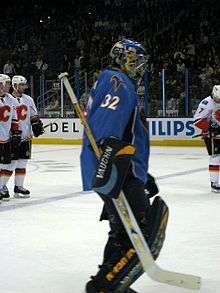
(113, 167)
(37, 126)
(216, 116)
(15, 137)
(151, 186)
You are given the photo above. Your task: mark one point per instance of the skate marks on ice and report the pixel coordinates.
(12, 205)
(182, 173)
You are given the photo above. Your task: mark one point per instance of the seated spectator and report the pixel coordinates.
(9, 68)
(66, 65)
(53, 105)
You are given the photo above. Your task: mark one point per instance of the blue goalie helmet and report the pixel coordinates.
(130, 56)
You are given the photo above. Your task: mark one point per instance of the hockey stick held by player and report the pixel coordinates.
(117, 107)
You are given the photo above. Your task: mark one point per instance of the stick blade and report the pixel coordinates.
(175, 279)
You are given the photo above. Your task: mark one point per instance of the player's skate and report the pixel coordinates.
(1, 194)
(215, 187)
(21, 192)
(91, 288)
(116, 254)
(4, 193)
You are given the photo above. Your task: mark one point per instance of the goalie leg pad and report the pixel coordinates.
(121, 269)
(159, 214)
(151, 186)
(113, 167)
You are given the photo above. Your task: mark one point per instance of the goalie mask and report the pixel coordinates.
(130, 56)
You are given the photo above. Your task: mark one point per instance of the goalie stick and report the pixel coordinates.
(129, 221)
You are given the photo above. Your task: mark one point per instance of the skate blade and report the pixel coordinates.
(5, 199)
(18, 195)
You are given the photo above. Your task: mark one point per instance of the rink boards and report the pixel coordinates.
(163, 131)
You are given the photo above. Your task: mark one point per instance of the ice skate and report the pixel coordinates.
(215, 188)
(21, 192)
(4, 193)
(91, 288)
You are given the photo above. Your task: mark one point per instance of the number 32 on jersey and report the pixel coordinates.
(110, 102)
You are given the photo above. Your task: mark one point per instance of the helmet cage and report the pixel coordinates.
(130, 56)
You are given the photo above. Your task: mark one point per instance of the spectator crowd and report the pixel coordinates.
(181, 37)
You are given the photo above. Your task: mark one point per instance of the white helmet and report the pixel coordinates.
(216, 93)
(18, 79)
(4, 78)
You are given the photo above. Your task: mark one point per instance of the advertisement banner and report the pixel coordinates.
(63, 128)
(159, 128)
(172, 128)
(167, 131)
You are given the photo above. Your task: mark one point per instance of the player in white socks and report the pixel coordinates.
(9, 131)
(207, 118)
(29, 124)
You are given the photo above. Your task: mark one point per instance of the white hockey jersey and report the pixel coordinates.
(205, 109)
(8, 115)
(26, 109)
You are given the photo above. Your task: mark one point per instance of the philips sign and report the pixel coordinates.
(159, 129)
(171, 128)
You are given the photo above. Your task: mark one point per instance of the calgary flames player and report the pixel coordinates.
(207, 118)
(9, 132)
(29, 124)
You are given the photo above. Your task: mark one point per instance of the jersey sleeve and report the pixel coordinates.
(203, 111)
(33, 109)
(203, 114)
(116, 103)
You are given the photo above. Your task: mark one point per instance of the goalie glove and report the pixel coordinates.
(113, 167)
(37, 126)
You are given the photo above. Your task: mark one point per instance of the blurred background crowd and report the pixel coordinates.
(182, 38)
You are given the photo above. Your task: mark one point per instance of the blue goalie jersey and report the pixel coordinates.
(113, 112)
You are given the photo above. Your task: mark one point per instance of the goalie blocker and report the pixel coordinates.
(113, 167)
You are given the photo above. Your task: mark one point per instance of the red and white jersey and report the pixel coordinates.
(8, 115)
(205, 109)
(26, 109)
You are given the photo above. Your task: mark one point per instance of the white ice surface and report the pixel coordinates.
(53, 242)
